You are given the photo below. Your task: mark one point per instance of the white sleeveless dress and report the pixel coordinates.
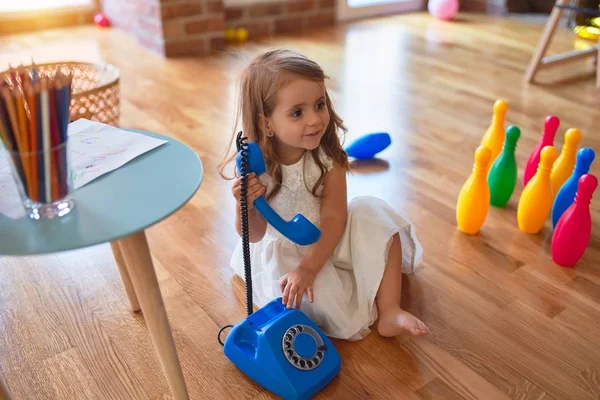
(345, 288)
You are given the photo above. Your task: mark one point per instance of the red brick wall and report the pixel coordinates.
(282, 17)
(197, 27)
(192, 27)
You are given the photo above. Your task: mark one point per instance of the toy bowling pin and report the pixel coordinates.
(367, 146)
(565, 196)
(535, 203)
(550, 128)
(563, 167)
(474, 198)
(574, 228)
(503, 173)
(494, 136)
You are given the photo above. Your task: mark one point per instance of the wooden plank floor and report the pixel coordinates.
(506, 323)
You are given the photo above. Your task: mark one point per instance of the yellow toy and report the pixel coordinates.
(230, 34)
(241, 34)
(493, 138)
(474, 198)
(233, 34)
(563, 167)
(537, 198)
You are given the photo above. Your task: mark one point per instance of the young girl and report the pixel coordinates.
(352, 276)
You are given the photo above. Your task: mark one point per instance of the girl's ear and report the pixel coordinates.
(265, 125)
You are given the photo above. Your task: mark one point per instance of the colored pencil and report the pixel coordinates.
(40, 147)
(25, 149)
(46, 141)
(34, 117)
(8, 137)
(54, 145)
(63, 92)
(62, 114)
(14, 131)
(10, 109)
(31, 102)
(4, 133)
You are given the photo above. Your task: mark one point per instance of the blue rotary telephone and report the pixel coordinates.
(281, 349)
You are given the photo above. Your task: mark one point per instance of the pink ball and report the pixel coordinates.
(101, 19)
(443, 9)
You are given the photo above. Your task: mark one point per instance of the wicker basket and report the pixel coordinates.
(95, 89)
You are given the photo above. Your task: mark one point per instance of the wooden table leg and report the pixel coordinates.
(4, 392)
(139, 264)
(133, 300)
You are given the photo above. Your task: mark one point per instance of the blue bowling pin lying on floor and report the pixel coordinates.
(367, 146)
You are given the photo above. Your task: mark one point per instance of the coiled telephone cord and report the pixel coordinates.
(242, 146)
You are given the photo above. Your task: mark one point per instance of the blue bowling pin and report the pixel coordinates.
(366, 146)
(566, 194)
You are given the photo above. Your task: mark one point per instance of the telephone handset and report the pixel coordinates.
(299, 229)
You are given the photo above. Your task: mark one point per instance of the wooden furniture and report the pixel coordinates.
(117, 208)
(539, 60)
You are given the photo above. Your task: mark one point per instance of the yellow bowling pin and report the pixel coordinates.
(537, 197)
(474, 198)
(494, 136)
(564, 164)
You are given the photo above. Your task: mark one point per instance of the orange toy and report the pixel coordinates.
(536, 200)
(474, 198)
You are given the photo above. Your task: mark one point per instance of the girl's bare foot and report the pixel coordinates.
(396, 322)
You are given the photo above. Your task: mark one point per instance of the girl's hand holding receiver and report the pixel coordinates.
(295, 283)
(255, 189)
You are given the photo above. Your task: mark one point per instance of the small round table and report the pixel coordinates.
(117, 207)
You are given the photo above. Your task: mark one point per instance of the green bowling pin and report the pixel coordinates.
(503, 173)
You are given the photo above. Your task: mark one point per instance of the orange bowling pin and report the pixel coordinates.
(474, 198)
(494, 136)
(537, 197)
(564, 164)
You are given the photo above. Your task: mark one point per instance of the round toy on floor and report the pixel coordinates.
(368, 145)
(443, 9)
(230, 34)
(101, 20)
(241, 34)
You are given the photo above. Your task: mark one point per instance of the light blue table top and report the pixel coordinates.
(133, 197)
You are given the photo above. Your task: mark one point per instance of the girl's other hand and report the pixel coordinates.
(255, 189)
(294, 284)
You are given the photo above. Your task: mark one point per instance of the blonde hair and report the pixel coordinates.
(259, 84)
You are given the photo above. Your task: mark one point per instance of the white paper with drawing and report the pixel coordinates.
(98, 148)
(95, 150)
